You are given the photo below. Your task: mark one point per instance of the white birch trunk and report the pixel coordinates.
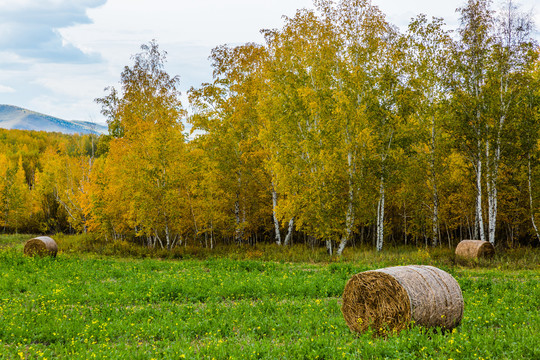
(349, 216)
(167, 237)
(435, 215)
(380, 206)
(529, 178)
(492, 179)
(329, 247)
(435, 218)
(238, 231)
(492, 210)
(479, 214)
(276, 222)
(289, 232)
(211, 234)
(157, 239)
(350, 223)
(380, 216)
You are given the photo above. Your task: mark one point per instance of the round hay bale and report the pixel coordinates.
(41, 246)
(474, 249)
(389, 299)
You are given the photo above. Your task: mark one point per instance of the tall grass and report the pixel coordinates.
(519, 258)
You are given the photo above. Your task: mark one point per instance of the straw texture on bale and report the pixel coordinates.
(390, 299)
(42, 246)
(473, 249)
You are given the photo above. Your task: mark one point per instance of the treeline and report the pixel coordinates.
(41, 179)
(337, 129)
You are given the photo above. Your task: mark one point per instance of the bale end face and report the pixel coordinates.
(375, 300)
(474, 249)
(41, 246)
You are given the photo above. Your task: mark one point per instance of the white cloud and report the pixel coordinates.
(29, 28)
(69, 90)
(187, 30)
(58, 55)
(6, 89)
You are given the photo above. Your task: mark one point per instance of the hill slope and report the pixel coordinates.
(13, 117)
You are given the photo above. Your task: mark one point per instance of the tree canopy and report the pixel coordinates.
(337, 130)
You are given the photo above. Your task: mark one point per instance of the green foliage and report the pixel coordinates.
(80, 306)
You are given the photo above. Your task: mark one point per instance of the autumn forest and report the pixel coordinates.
(339, 129)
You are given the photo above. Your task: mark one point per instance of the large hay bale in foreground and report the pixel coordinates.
(474, 249)
(41, 245)
(389, 299)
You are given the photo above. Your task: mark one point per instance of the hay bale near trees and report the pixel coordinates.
(389, 299)
(474, 249)
(41, 246)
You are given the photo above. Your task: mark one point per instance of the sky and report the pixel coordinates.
(57, 56)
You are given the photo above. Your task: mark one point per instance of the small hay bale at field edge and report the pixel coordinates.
(389, 299)
(41, 245)
(473, 249)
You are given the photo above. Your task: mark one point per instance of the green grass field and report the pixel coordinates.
(86, 305)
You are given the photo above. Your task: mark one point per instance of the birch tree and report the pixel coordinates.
(471, 54)
(226, 113)
(386, 117)
(527, 117)
(493, 53)
(428, 50)
(511, 58)
(145, 120)
(362, 35)
(300, 130)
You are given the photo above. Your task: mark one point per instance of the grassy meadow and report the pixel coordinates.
(245, 303)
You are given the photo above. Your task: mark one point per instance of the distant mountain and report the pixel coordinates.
(13, 117)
